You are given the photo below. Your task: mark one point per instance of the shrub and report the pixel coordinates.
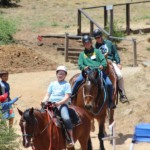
(117, 31)
(7, 137)
(7, 29)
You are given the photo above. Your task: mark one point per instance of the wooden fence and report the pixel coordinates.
(68, 53)
(106, 9)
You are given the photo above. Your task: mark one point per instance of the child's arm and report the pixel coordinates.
(6, 105)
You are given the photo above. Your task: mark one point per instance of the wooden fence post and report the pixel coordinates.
(128, 18)
(79, 23)
(66, 46)
(110, 8)
(134, 53)
(111, 22)
(91, 28)
(105, 17)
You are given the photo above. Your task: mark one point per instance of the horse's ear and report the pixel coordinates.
(31, 111)
(20, 112)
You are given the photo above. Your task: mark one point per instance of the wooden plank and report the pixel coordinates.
(70, 49)
(73, 57)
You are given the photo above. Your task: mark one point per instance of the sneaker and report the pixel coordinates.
(69, 145)
(123, 99)
(112, 105)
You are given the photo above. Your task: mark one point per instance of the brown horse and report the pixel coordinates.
(93, 98)
(37, 125)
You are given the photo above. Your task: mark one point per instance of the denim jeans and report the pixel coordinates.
(63, 109)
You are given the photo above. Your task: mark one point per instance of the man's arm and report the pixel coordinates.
(80, 62)
(102, 60)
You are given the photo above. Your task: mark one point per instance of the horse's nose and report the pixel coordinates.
(26, 144)
(88, 106)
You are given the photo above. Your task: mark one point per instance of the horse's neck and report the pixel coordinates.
(41, 141)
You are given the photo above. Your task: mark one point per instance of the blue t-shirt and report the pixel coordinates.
(6, 108)
(57, 90)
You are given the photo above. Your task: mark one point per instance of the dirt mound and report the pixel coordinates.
(17, 58)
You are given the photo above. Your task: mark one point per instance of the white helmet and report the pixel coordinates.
(63, 68)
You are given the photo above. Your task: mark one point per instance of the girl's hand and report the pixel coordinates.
(57, 104)
(19, 96)
(100, 67)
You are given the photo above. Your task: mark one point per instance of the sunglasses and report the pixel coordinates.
(98, 37)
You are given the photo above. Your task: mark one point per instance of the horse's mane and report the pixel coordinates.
(93, 76)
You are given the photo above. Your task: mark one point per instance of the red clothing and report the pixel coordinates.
(3, 97)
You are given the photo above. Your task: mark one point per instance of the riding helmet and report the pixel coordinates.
(62, 68)
(97, 32)
(86, 39)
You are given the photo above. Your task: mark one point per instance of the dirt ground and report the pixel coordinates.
(32, 67)
(32, 86)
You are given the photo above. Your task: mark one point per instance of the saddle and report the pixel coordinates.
(58, 121)
(56, 117)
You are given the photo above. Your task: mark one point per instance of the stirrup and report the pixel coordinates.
(123, 99)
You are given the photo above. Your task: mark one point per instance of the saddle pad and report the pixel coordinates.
(54, 118)
(75, 119)
(142, 133)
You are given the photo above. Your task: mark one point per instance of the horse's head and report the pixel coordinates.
(27, 123)
(91, 88)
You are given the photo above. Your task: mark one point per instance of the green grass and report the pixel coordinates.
(7, 29)
(148, 49)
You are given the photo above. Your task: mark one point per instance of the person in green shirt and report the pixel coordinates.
(109, 50)
(92, 58)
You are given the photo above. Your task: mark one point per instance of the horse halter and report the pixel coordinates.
(32, 134)
(34, 129)
(94, 98)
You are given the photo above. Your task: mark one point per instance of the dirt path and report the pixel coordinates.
(32, 86)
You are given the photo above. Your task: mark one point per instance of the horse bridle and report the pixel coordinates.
(33, 134)
(84, 96)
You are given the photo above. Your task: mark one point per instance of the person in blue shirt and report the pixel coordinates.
(59, 92)
(5, 107)
(5, 88)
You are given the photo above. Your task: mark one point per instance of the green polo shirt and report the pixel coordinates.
(93, 59)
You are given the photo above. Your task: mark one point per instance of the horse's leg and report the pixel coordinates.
(111, 120)
(111, 117)
(84, 143)
(89, 144)
(101, 134)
